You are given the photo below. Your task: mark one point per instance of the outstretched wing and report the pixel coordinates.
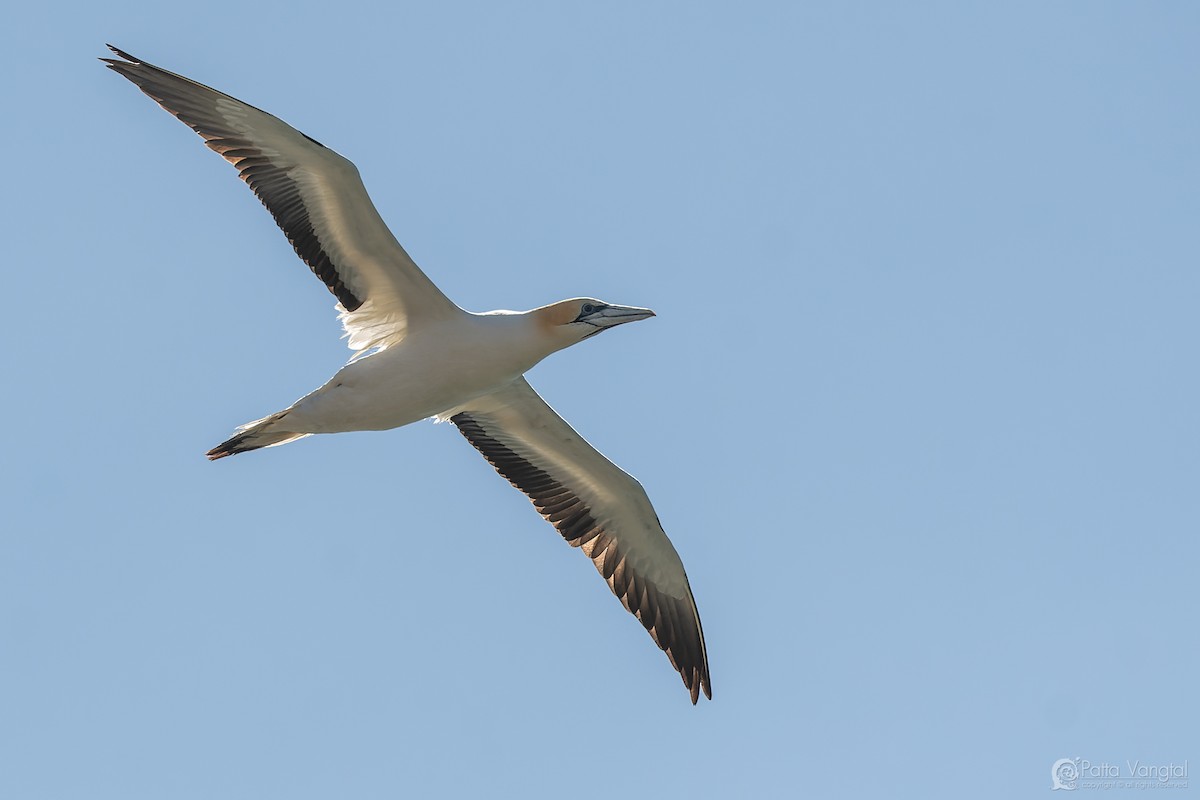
(316, 197)
(596, 507)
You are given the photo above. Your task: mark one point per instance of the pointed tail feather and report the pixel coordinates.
(253, 435)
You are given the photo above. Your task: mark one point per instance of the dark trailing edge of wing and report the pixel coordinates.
(194, 104)
(671, 622)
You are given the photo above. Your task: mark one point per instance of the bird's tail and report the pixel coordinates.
(265, 432)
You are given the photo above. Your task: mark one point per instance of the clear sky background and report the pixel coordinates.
(919, 409)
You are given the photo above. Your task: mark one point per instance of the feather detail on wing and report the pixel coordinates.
(596, 507)
(317, 198)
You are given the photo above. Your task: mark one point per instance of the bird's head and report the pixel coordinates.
(572, 321)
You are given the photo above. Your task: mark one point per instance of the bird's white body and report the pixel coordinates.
(419, 356)
(433, 370)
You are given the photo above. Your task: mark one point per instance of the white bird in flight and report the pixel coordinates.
(418, 355)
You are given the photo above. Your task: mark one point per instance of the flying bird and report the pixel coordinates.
(417, 355)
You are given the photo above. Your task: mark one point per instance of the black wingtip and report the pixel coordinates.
(121, 53)
(700, 683)
(125, 62)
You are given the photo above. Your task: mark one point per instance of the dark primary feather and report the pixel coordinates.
(672, 622)
(195, 105)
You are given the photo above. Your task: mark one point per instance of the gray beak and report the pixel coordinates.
(609, 316)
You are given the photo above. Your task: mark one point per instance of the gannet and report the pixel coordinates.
(417, 355)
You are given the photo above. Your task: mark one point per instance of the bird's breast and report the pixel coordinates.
(427, 373)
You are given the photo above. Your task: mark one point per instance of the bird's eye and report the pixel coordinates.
(587, 308)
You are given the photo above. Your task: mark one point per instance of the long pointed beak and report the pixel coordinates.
(609, 316)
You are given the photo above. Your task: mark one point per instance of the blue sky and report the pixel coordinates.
(919, 409)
